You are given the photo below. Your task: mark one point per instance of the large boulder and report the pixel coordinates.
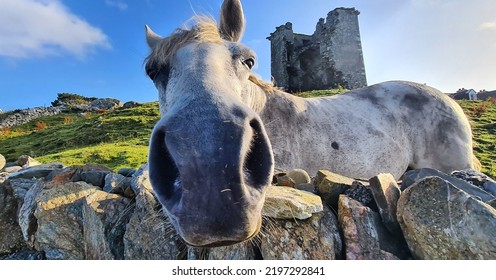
(38, 171)
(10, 233)
(331, 185)
(289, 203)
(365, 237)
(105, 217)
(27, 220)
(149, 234)
(59, 216)
(478, 179)
(386, 195)
(105, 104)
(414, 176)
(240, 251)
(441, 221)
(316, 238)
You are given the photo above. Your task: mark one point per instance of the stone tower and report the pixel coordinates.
(329, 58)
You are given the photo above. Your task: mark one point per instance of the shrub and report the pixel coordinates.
(71, 99)
(41, 126)
(479, 108)
(68, 120)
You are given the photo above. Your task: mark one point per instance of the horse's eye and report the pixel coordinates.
(152, 74)
(250, 62)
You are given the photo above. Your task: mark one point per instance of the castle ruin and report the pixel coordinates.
(329, 58)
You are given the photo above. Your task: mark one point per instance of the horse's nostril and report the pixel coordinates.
(258, 161)
(164, 174)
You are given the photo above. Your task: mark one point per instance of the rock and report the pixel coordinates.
(20, 187)
(307, 188)
(12, 169)
(105, 217)
(441, 221)
(39, 171)
(239, 251)
(126, 172)
(60, 220)
(93, 174)
(361, 193)
(141, 180)
(316, 238)
(330, 185)
(283, 180)
(386, 193)
(3, 177)
(288, 203)
(477, 179)
(2, 161)
(24, 254)
(364, 236)
(116, 183)
(149, 235)
(27, 220)
(27, 161)
(299, 177)
(130, 104)
(10, 233)
(410, 177)
(94, 177)
(105, 104)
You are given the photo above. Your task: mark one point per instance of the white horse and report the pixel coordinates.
(222, 131)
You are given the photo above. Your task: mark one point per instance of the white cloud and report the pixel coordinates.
(45, 27)
(489, 25)
(117, 4)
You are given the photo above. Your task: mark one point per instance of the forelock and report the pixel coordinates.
(204, 30)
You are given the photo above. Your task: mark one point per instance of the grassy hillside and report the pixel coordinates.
(120, 138)
(483, 121)
(116, 139)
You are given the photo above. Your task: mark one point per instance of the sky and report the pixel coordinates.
(96, 48)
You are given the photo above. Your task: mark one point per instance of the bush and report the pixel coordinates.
(41, 126)
(71, 99)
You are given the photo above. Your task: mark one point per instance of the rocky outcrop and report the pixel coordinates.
(97, 105)
(20, 117)
(89, 212)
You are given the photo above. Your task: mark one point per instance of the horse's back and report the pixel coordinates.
(437, 129)
(387, 127)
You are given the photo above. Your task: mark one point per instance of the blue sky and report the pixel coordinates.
(96, 47)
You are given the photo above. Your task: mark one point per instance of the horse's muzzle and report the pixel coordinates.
(210, 172)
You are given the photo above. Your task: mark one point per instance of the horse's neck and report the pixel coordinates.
(280, 105)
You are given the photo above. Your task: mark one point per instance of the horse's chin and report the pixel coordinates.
(226, 242)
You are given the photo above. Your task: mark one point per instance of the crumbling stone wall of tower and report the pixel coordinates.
(329, 58)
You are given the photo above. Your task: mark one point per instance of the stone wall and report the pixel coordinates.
(48, 211)
(20, 117)
(329, 58)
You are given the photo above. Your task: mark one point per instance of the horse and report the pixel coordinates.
(222, 131)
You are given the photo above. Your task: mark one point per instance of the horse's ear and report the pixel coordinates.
(232, 20)
(152, 38)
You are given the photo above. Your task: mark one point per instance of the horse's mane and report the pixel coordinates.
(205, 30)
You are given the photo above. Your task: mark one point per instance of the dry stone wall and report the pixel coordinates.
(49, 211)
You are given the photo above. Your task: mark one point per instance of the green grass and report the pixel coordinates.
(483, 121)
(116, 139)
(120, 138)
(319, 93)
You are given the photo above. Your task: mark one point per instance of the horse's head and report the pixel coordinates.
(210, 159)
